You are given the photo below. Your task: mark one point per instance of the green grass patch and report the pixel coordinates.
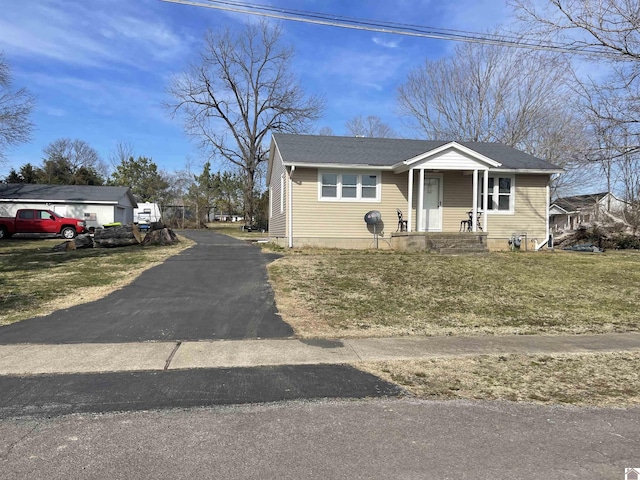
(334, 293)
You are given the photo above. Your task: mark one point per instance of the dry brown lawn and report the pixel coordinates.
(333, 293)
(602, 379)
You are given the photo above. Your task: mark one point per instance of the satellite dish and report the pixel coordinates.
(372, 217)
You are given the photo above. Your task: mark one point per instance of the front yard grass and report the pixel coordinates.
(35, 281)
(335, 293)
(600, 379)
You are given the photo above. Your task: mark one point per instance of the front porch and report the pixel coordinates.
(440, 242)
(447, 190)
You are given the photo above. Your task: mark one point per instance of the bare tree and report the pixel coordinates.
(610, 29)
(241, 90)
(371, 126)
(487, 93)
(484, 93)
(325, 131)
(70, 161)
(122, 152)
(610, 103)
(15, 109)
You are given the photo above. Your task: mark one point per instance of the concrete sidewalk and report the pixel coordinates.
(33, 359)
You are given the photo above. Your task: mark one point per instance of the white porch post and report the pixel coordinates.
(485, 199)
(410, 201)
(420, 201)
(474, 213)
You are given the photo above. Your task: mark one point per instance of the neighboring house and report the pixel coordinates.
(320, 188)
(96, 205)
(568, 213)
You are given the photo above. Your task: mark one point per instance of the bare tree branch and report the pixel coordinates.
(371, 126)
(15, 109)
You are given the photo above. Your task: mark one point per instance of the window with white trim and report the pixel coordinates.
(349, 186)
(500, 194)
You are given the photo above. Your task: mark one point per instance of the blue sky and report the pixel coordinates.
(99, 68)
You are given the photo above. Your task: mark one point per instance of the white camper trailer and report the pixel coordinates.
(146, 214)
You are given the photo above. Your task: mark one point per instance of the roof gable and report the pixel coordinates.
(451, 155)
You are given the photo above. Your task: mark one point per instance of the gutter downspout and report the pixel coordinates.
(538, 246)
(290, 206)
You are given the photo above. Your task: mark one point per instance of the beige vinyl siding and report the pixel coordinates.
(458, 200)
(278, 218)
(313, 218)
(530, 214)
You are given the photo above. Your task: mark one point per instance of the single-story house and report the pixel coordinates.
(321, 187)
(568, 213)
(97, 205)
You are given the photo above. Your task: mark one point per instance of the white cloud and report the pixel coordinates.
(94, 34)
(386, 42)
(54, 112)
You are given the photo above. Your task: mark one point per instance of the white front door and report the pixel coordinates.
(432, 205)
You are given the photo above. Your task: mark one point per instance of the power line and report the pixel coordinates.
(404, 29)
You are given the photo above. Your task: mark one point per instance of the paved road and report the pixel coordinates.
(217, 289)
(383, 439)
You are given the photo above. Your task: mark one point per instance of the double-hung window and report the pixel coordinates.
(500, 194)
(349, 186)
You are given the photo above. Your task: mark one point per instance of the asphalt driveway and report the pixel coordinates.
(217, 289)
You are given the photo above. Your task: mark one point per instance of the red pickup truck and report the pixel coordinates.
(40, 221)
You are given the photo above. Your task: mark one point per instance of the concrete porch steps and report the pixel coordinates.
(444, 243)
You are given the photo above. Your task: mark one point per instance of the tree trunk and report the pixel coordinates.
(121, 236)
(81, 241)
(164, 236)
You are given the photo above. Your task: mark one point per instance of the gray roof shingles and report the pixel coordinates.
(385, 152)
(579, 201)
(80, 193)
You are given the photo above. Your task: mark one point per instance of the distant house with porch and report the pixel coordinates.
(320, 188)
(97, 205)
(569, 213)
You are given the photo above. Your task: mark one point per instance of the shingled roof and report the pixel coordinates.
(577, 202)
(65, 193)
(387, 152)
